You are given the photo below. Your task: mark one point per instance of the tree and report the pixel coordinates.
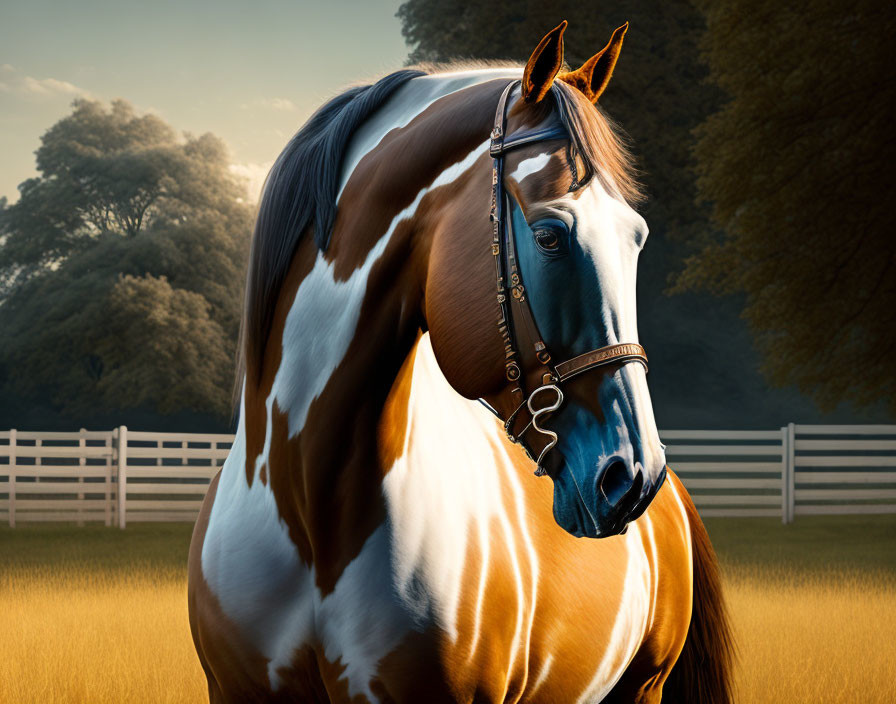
(798, 168)
(122, 268)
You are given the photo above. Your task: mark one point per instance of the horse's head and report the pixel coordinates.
(577, 241)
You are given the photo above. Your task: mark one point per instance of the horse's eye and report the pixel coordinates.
(547, 239)
(550, 235)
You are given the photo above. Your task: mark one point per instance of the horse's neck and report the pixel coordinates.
(345, 323)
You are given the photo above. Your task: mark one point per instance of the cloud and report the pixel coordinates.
(279, 104)
(284, 104)
(50, 86)
(254, 175)
(14, 81)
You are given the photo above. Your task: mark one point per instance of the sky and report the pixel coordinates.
(249, 71)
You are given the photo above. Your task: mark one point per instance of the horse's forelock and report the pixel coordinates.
(599, 141)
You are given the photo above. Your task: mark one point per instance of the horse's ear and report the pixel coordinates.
(544, 65)
(594, 75)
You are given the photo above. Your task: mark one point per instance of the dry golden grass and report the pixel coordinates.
(96, 636)
(814, 640)
(100, 616)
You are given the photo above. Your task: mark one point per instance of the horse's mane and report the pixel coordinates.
(301, 188)
(300, 193)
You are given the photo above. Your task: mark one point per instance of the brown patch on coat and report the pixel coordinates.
(551, 182)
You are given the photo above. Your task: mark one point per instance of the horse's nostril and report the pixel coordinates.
(614, 482)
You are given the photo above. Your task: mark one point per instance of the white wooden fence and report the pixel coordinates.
(123, 476)
(116, 476)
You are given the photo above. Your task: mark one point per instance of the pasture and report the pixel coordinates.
(95, 614)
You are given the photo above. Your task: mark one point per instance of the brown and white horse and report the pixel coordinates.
(374, 535)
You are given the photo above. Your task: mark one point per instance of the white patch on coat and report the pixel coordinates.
(611, 233)
(249, 561)
(319, 328)
(528, 602)
(442, 501)
(529, 166)
(254, 570)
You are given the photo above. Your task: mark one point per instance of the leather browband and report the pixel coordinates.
(524, 138)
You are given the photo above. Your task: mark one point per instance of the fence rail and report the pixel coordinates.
(121, 476)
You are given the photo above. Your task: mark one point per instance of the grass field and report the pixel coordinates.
(99, 615)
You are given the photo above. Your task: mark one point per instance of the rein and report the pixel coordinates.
(517, 322)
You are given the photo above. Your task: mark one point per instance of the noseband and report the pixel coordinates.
(517, 323)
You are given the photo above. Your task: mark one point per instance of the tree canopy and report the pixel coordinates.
(798, 168)
(122, 268)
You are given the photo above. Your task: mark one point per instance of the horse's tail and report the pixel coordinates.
(702, 674)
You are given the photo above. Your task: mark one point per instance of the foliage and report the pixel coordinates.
(798, 167)
(123, 268)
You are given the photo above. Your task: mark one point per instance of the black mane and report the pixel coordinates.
(300, 192)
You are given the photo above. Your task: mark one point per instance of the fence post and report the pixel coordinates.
(122, 476)
(82, 463)
(785, 473)
(791, 471)
(107, 445)
(12, 478)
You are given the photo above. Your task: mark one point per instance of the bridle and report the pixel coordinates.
(517, 323)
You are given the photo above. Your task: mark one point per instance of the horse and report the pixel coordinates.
(376, 534)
